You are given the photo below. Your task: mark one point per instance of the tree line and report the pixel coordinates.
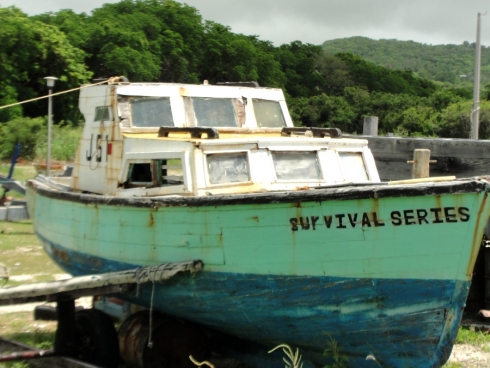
(447, 64)
(166, 41)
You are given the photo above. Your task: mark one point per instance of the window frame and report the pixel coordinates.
(229, 152)
(152, 157)
(106, 111)
(364, 161)
(130, 100)
(300, 180)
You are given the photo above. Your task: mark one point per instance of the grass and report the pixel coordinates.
(22, 253)
(472, 337)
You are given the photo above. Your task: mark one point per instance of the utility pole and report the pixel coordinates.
(475, 114)
(50, 83)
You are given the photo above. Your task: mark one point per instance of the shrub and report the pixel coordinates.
(25, 131)
(32, 136)
(64, 143)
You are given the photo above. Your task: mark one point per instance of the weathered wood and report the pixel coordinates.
(459, 157)
(93, 284)
(420, 163)
(423, 180)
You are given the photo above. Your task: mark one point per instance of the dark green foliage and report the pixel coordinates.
(455, 121)
(324, 111)
(452, 64)
(32, 50)
(297, 61)
(380, 79)
(236, 57)
(24, 131)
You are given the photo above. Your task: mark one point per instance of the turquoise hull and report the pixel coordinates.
(382, 270)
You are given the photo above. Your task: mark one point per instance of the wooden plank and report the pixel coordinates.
(101, 284)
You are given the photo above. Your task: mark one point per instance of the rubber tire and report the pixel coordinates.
(96, 338)
(48, 313)
(45, 313)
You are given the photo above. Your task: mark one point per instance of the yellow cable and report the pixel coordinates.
(58, 93)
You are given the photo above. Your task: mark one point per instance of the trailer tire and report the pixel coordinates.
(48, 313)
(96, 338)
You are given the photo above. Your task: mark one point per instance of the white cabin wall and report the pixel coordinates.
(98, 159)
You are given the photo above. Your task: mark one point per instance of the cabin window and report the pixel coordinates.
(102, 113)
(214, 112)
(151, 112)
(157, 173)
(352, 165)
(296, 166)
(139, 175)
(170, 172)
(227, 168)
(268, 114)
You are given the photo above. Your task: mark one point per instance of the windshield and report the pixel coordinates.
(151, 112)
(214, 112)
(296, 166)
(227, 168)
(268, 114)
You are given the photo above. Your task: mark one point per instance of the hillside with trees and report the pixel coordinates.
(453, 64)
(166, 41)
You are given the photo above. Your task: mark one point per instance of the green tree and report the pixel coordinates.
(324, 111)
(24, 131)
(335, 74)
(32, 50)
(147, 40)
(376, 78)
(297, 61)
(455, 121)
(417, 120)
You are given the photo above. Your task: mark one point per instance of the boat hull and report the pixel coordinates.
(381, 271)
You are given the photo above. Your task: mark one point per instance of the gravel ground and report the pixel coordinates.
(470, 356)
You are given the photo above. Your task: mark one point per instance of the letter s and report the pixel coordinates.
(294, 224)
(464, 213)
(396, 218)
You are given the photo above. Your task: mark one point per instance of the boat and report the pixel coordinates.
(300, 241)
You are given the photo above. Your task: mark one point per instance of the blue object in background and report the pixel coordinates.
(15, 156)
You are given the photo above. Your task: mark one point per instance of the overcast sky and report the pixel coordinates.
(314, 21)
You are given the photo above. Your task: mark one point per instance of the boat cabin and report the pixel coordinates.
(144, 139)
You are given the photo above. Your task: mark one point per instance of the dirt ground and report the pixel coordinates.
(470, 356)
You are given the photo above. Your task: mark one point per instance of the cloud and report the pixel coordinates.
(314, 21)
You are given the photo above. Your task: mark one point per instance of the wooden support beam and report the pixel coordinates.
(421, 159)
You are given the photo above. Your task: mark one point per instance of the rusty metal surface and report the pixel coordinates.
(26, 355)
(172, 341)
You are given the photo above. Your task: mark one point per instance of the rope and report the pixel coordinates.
(112, 80)
(150, 334)
(139, 273)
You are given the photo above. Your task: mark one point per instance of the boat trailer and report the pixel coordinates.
(67, 338)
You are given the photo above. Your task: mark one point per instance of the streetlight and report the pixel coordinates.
(50, 83)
